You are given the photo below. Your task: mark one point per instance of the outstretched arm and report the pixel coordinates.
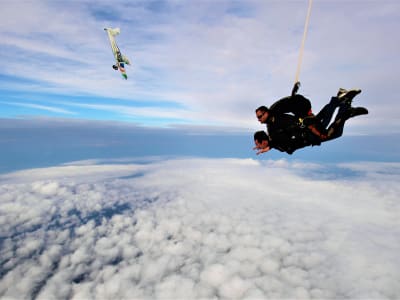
(261, 149)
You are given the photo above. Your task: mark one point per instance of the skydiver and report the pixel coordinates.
(289, 132)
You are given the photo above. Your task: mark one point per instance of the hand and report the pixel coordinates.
(315, 131)
(263, 150)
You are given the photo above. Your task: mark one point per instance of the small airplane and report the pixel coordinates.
(120, 59)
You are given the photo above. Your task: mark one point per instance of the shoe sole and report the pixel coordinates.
(349, 95)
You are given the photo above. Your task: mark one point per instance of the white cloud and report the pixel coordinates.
(200, 228)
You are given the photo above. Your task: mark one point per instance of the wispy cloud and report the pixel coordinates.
(40, 107)
(177, 115)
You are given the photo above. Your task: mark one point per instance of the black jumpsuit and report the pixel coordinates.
(286, 132)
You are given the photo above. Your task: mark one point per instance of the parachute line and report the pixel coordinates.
(303, 41)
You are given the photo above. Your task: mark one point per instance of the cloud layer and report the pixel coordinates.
(200, 228)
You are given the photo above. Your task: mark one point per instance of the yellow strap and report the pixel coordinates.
(303, 41)
(301, 124)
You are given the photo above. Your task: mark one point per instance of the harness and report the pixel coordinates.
(306, 121)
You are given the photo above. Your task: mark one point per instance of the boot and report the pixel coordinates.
(346, 96)
(356, 111)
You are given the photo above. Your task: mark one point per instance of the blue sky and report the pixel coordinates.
(206, 64)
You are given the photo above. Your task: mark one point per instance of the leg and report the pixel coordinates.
(344, 97)
(326, 113)
(336, 128)
(320, 122)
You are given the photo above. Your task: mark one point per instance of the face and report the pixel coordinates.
(262, 145)
(262, 116)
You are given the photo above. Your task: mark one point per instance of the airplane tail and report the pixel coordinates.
(113, 31)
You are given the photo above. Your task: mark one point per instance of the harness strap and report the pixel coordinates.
(303, 122)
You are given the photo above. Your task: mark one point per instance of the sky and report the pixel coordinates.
(196, 62)
(148, 188)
